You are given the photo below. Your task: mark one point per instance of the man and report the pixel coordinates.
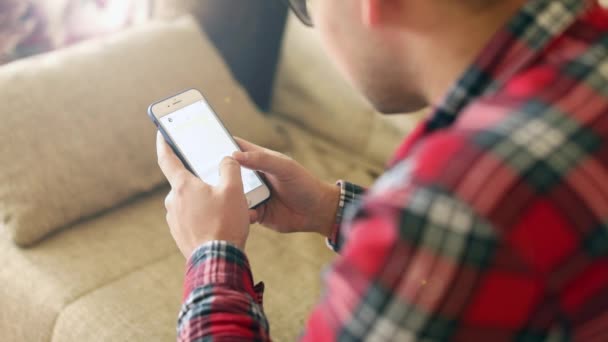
(491, 222)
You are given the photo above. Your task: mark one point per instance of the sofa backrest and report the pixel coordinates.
(247, 33)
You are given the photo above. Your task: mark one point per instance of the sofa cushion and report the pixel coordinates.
(143, 305)
(75, 135)
(118, 276)
(140, 306)
(39, 283)
(311, 91)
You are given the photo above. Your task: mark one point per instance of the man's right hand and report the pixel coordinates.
(299, 202)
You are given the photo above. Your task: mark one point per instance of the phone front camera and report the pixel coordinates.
(170, 120)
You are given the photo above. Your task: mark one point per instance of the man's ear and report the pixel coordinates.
(379, 12)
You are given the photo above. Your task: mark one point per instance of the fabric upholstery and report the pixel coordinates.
(246, 33)
(139, 306)
(75, 133)
(117, 276)
(311, 91)
(37, 283)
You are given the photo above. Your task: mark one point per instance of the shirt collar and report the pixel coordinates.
(526, 35)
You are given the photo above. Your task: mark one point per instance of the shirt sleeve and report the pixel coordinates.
(221, 303)
(413, 257)
(350, 196)
(414, 254)
(220, 300)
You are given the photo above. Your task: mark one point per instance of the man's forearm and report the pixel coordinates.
(220, 299)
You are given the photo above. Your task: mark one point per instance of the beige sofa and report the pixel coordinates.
(85, 251)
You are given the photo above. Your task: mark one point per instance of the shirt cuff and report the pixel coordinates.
(220, 263)
(349, 194)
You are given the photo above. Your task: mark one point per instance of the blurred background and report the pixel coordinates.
(29, 27)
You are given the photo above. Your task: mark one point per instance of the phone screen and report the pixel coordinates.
(203, 142)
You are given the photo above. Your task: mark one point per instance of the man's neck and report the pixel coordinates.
(443, 55)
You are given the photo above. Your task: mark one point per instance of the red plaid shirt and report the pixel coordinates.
(491, 223)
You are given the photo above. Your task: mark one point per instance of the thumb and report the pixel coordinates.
(230, 173)
(269, 162)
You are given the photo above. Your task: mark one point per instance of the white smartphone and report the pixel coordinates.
(201, 141)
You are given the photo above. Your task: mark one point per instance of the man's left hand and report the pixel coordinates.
(197, 212)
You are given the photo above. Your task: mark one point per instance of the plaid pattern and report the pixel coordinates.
(219, 292)
(491, 223)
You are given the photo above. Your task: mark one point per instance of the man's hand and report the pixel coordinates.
(198, 213)
(299, 202)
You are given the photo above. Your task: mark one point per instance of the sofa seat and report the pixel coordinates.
(118, 276)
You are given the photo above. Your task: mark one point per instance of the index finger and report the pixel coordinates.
(169, 163)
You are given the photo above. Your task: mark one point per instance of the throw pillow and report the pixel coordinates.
(75, 136)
